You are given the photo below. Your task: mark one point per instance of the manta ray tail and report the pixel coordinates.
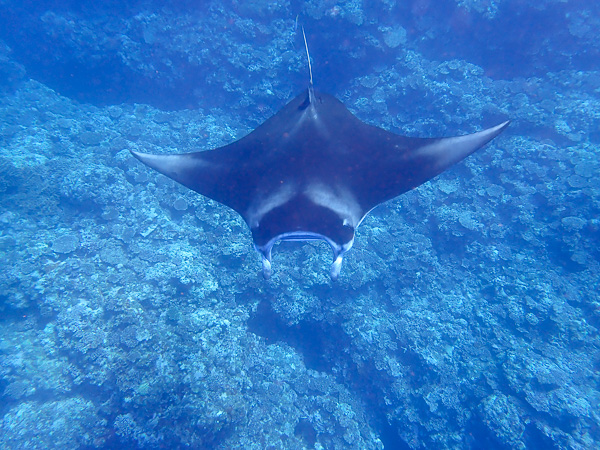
(311, 90)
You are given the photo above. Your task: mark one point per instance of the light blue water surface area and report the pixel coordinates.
(132, 311)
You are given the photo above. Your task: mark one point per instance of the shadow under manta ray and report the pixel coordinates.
(314, 171)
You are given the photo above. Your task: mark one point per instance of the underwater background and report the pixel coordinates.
(132, 310)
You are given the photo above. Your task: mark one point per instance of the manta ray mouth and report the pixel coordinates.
(338, 250)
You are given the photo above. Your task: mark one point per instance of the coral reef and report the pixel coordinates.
(132, 312)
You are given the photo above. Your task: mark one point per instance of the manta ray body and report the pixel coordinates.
(314, 171)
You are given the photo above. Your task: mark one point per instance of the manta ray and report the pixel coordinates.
(314, 171)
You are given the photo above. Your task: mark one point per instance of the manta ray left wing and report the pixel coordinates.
(313, 171)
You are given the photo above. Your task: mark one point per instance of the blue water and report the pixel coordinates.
(133, 313)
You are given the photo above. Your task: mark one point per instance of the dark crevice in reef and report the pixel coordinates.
(316, 341)
(480, 436)
(322, 346)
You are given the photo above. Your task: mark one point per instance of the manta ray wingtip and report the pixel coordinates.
(492, 132)
(502, 126)
(137, 155)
